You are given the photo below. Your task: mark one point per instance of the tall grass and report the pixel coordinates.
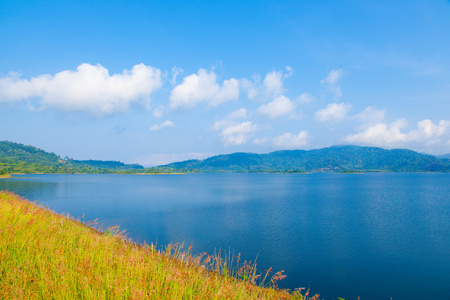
(44, 255)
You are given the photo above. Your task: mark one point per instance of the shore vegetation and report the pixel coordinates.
(44, 255)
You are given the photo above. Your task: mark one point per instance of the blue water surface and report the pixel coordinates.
(377, 235)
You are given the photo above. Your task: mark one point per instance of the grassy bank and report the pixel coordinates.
(48, 256)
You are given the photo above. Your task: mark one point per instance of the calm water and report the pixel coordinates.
(374, 235)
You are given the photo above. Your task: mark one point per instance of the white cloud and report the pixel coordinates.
(371, 115)
(332, 82)
(12, 88)
(164, 124)
(286, 140)
(289, 73)
(228, 91)
(203, 87)
(175, 72)
(167, 158)
(282, 105)
(305, 98)
(333, 112)
(390, 135)
(159, 112)
(251, 87)
(230, 119)
(233, 132)
(429, 129)
(333, 77)
(90, 88)
(291, 141)
(271, 86)
(238, 114)
(237, 134)
(273, 83)
(382, 134)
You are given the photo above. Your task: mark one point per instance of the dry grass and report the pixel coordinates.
(48, 256)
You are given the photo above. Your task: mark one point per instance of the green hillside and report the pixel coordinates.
(110, 164)
(446, 156)
(19, 158)
(332, 159)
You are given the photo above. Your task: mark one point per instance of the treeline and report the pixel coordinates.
(341, 159)
(25, 159)
(11, 165)
(18, 158)
(110, 165)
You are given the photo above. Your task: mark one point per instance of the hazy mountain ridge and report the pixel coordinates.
(331, 159)
(444, 156)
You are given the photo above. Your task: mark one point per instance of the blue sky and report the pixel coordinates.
(159, 81)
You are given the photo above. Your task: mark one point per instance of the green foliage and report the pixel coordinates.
(333, 159)
(19, 158)
(49, 256)
(110, 165)
(169, 170)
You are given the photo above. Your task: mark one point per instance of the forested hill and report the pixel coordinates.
(110, 164)
(332, 159)
(447, 156)
(19, 158)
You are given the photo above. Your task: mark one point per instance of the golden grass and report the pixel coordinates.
(44, 255)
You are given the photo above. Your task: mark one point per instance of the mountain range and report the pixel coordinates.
(19, 158)
(331, 159)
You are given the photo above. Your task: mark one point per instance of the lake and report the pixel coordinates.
(377, 235)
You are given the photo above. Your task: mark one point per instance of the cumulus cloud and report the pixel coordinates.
(305, 98)
(371, 115)
(332, 81)
(382, 134)
(286, 140)
(203, 87)
(237, 134)
(230, 119)
(233, 132)
(271, 85)
(252, 87)
(333, 112)
(428, 129)
(390, 135)
(164, 124)
(90, 88)
(282, 105)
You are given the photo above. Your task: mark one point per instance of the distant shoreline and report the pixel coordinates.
(179, 173)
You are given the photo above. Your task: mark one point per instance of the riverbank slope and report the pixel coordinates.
(44, 255)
